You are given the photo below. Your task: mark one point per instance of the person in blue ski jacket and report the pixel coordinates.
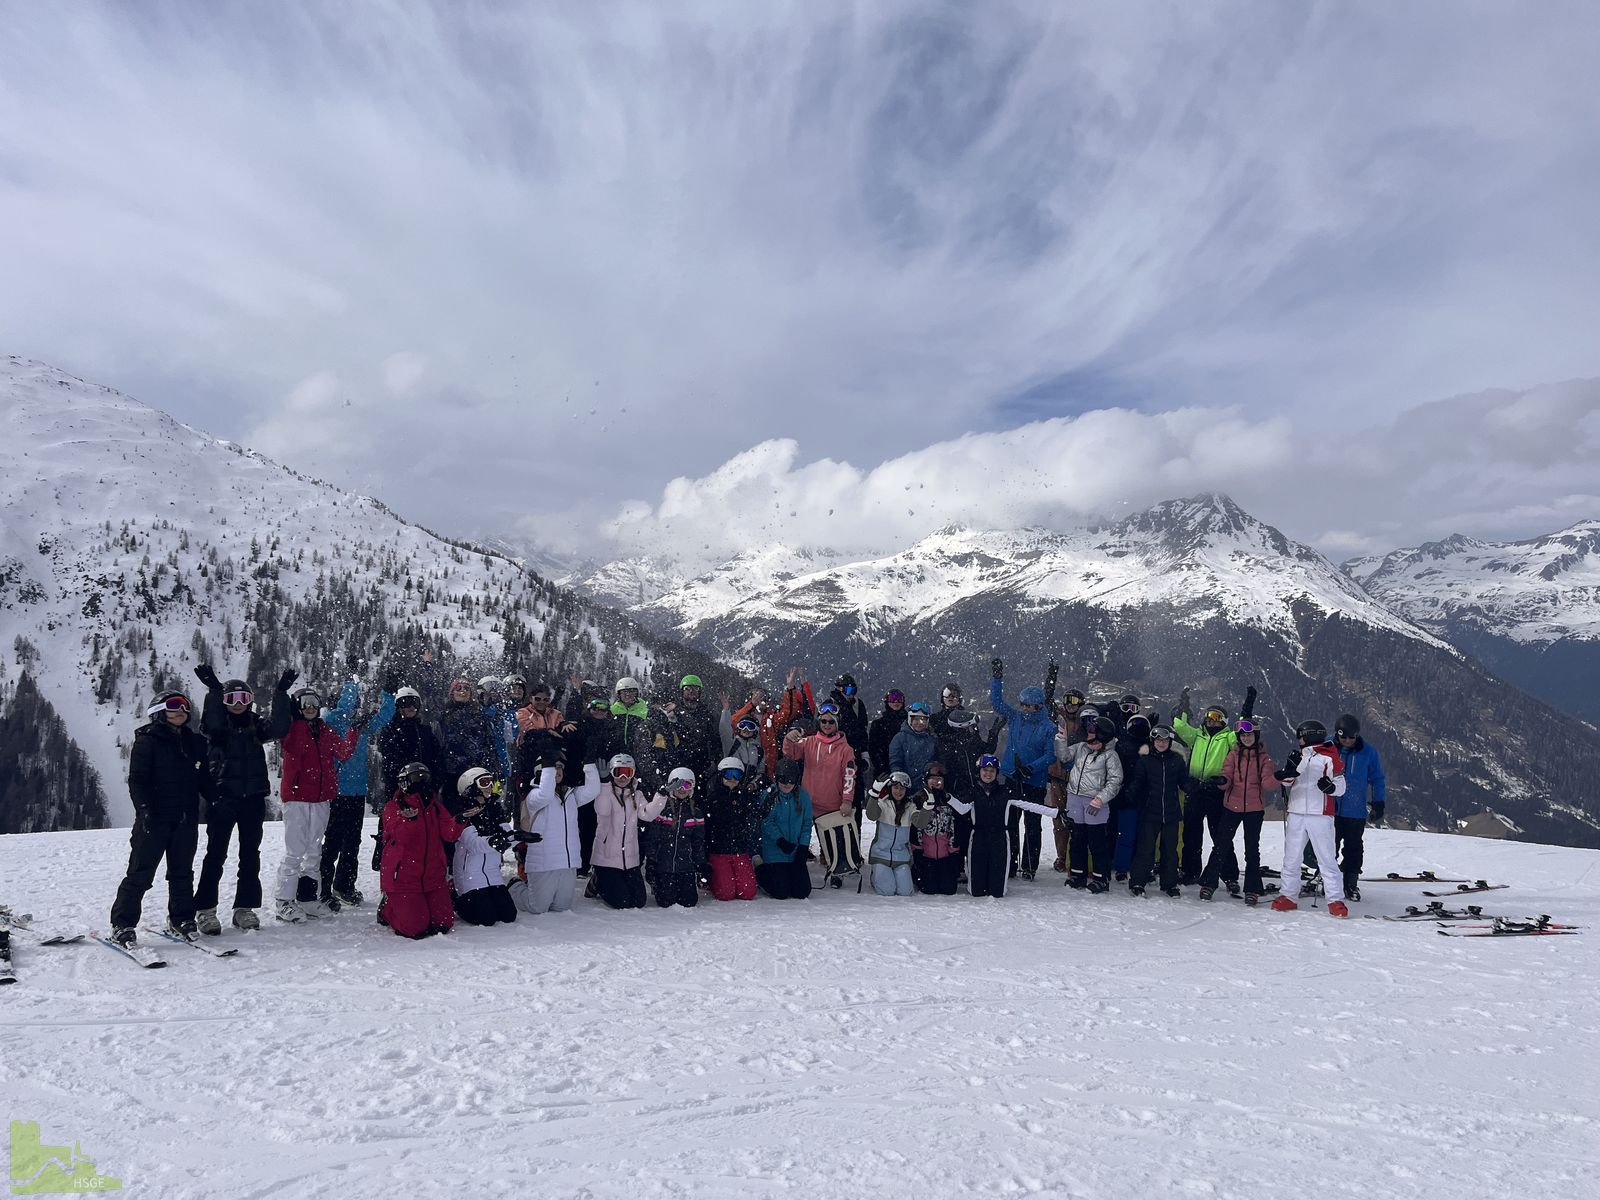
(1030, 749)
(786, 835)
(1363, 774)
(915, 746)
(342, 842)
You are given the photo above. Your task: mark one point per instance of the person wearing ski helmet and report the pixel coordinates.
(414, 873)
(408, 739)
(674, 842)
(312, 752)
(773, 721)
(170, 783)
(854, 720)
(936, 846)
(1030, 749)
(1363, 778)
(896, 814)
(880, 733)
(551, 810)
(733, 832)
(1068, 717)
(481, 895)
(635, 728)
(1133, 743)
(989, 806)
(915, 746)
(1209, 743)
(341, 843)
(959, 749)
(1247, 778)
(949, 702)
(471, 735)
(695, 743)
(618, 849)
(742, 740)
(516, 695)
(1313, 775)
(1157, 788)
(1093, 779)
(785, 835)
(238, 736)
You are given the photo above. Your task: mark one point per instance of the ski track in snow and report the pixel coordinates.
(1051, 1043)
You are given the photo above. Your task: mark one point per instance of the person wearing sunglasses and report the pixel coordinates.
(915, 746)
(1208, 743)
(733, 831)
(1247, 778)
(170, 783)
(675, 842)
(1363, 775)
(785, 835)
(1093, 779)
(990, 804)
(312, 752)
(1030, 749)
(829, 778)
(880, 733)
(238, 736)
(618, 850)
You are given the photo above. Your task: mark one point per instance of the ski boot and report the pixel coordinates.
(125, 937)
(245, 918)
(1338, 909)
(290, 912)
(1207, 892)
(1233, 887)
(1059, 866)
(1252, 899)
(1136, 889)
(185, 929)
(1027, 874)
(1099, 885)
(1121, 877)
(1078, 880)
(349, 897)
(1352, 891)
(1284, 904)
(316, 910)
(1173, 893)
(206, 920)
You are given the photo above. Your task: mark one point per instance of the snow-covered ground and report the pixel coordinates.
(847, 1046)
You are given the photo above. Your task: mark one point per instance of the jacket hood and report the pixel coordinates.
(1032, 695)
(637, 709)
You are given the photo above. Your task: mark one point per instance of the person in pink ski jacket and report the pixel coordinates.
(829, 763)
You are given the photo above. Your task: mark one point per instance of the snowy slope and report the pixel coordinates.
(134, 545)
(1049, 1043)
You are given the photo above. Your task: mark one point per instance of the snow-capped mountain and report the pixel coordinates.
(135, 547)
(1192, 592)
(1528, 609)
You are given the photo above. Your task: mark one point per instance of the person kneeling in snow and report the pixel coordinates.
(890, 806)
(1315, 779)
(481, 894)
(617, 850)
(416, 891)
(733, 832)
(551, 811)
(674, 842)
(786, 836)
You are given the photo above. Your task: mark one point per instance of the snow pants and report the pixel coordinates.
(1027, 833)
(988, 861)
(342, 843)
(619, 887)
(588, 822)
(1298, 829)
(417, 914)
(939, 875)
(733, 877)
(1151, 832)
(246, 814)
(545, 891)
(303, 827)
(1196, 808)
(784, 881)
(678, 887)
(892, 881)
(1126, 838)
(1062, 829)
(1349, 834)
(1223, 865)
(487, 905)
(1090, 842)
(174, 839)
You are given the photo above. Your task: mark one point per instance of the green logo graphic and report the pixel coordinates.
(40, 1170)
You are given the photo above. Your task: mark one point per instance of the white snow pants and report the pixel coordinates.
(303, 827)
(545, 891)
(1297, 830)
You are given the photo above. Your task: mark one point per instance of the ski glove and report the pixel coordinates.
(785, 845)
(1249, 708)
(286, 680)
(1218, 781)
(1326, 786)
(207, 676)
(998, 667)
(391, 682)
(1375, 812)
(1022, 772)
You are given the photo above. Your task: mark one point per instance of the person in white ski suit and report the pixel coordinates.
(1315, 780)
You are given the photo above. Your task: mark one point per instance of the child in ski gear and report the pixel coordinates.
(1246, 779)
(990, 804)
(341, 844)
(1363, 772)
(786, 836)
(1158, 791)
(312, 753)
(1030, 749)
(618, 851)
(733, 833)
(551, 810)
(890, 805)
(237, 736)
(170, 782)
(482, 897)
(936, 867)
(742, 740)
(1208, 744)
(774, 720)
(915, 746)
(1094, 777)
(1315, 781)
(675, 842)
(1066, 714)
(416, 891)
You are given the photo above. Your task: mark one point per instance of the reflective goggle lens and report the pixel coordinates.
(988, 760)
(237, 697)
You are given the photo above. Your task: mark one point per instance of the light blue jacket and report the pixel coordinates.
(353, 770)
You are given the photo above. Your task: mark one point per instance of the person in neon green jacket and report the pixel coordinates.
(1208, 743)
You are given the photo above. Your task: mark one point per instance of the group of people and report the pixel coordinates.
(670, 798)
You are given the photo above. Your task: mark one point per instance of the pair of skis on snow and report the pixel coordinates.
(149, 956)
(13, 923)
(1463, 887)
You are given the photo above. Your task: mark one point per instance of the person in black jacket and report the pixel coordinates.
(169, 780)
(1158, 791)
(238, 736)
(883, 728)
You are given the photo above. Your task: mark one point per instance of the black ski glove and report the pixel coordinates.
(785, 845)
(391, 682)
(1326, 786)
(525, 835)
(1022, 772)
(998, 667)
(1375, 812)
(499, 840)
(803, 855)
(207, 676)
(286, 680)
(1249, 708)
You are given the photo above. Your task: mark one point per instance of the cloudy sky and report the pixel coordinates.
(607, 279)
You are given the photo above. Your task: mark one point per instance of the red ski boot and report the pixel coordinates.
(1284, 904)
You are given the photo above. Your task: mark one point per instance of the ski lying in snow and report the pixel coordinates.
(1464, 889)
(1508, 931)
(1515, 925)
(145, 956)
(23, 923)
(193, 944)
(1419, 877)
(1438, 912)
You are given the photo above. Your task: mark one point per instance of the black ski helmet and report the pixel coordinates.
(791, 770)
(1311, 733)
(1105, 730)
(234, 685)
(414, 776)
(1347, 726)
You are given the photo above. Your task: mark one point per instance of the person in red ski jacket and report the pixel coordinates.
(414, 873)
(772, 722)
(312, 752)
(1247, 778)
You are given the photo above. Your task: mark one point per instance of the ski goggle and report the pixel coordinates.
(951, 693)
(825, 709)
(237, 697)
(1129, 706)
(988, 760)
(682, 788)
(486, 782)
(170, 704)
(849, 689)
(622, 773)
(1243, 726)
(732, 776)
(598, 706)
(895, 697)
(1216, 715)
(930, 776)
(1073, 699)
(919, 709)
(747, 726)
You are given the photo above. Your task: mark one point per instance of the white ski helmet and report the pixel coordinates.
(407, 693)
(628, 684)
(469, 780)
(899, 777)
(621, 762)
(680, 775)
(731, 764)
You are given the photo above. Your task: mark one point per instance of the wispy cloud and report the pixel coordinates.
(496, 263)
